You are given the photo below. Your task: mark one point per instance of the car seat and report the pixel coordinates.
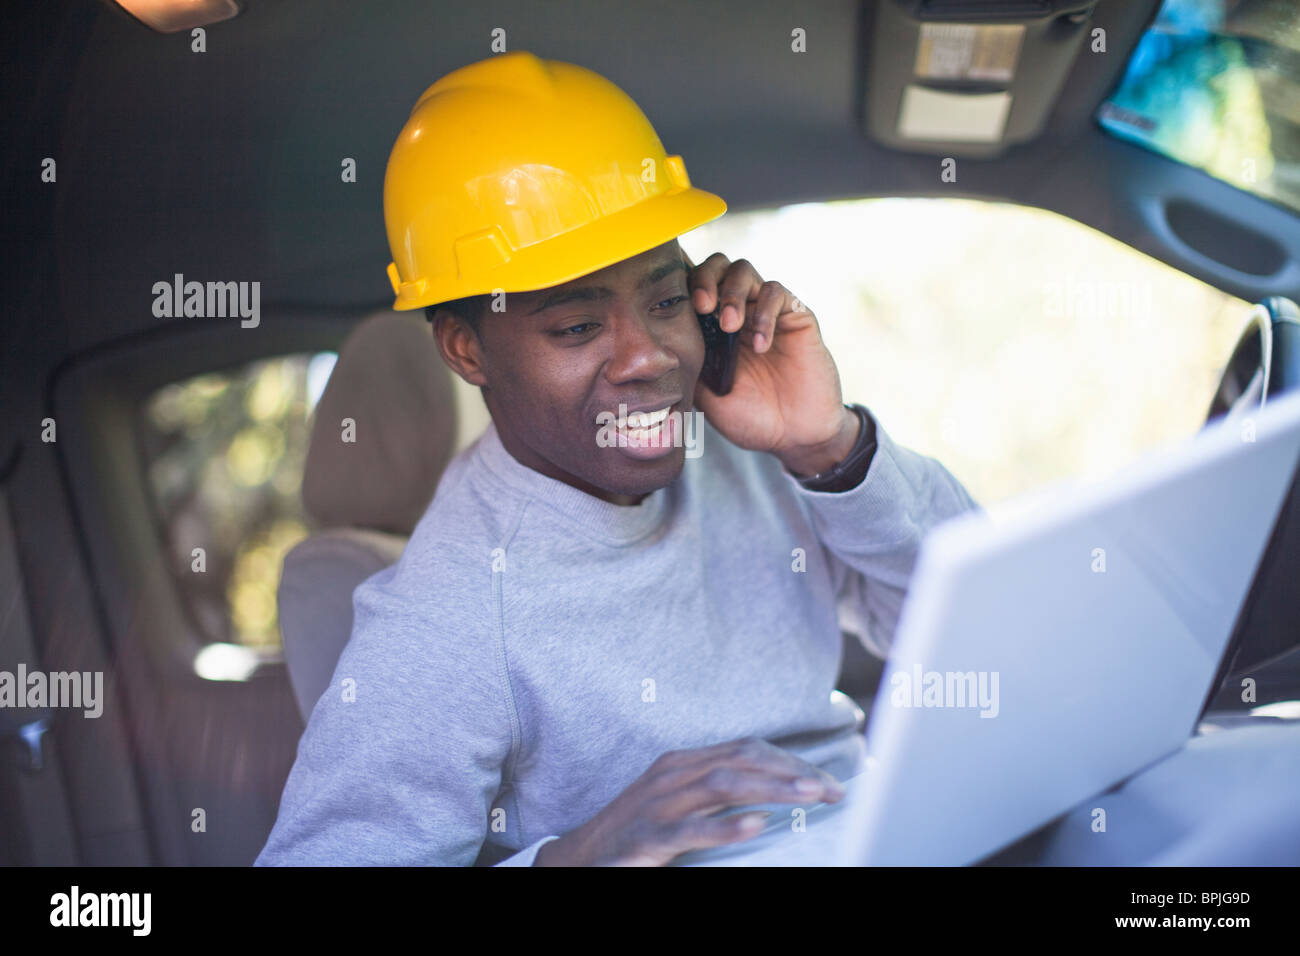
(383, 431)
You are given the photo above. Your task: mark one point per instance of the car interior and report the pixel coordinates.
(139, 152)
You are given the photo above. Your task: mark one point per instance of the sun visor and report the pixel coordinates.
(968, 77)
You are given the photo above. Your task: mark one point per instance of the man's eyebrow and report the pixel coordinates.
(581, 294)
(595, 293)
(663, 272)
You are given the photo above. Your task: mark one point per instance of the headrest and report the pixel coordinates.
(381, 471)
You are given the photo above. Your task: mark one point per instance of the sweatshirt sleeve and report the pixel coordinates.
(873, 533)
(402, 758)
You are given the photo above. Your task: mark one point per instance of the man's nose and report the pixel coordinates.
(640, 351)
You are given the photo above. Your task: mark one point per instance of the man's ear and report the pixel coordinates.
(460, 348)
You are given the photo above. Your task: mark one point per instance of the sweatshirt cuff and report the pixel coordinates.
(526, 856)
(889, 501)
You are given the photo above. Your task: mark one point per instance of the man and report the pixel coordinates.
(620, 613)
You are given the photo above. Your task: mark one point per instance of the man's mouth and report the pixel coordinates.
(646, 427)
(647, 432)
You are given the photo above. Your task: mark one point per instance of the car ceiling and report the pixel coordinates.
(225, 164)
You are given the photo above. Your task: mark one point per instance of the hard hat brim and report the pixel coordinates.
(579, 252)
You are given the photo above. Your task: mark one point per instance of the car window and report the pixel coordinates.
(1216, 84)
(1017, 346)
(223, 455)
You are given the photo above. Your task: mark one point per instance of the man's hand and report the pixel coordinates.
(786, 399)
(664, 812)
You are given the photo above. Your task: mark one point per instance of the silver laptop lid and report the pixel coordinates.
(1049, 651)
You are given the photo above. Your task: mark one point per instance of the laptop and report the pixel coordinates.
(1050, 650)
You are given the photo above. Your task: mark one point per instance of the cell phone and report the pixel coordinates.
(721, 350)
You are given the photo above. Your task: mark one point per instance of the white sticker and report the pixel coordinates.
(969, 51)
(953, 117)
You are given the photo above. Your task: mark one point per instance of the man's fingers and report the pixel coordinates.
(752, 748)
(724, 787)
(704, 281)
(670, 808)
(718, 283)
(771, 302)
(750, 752)
(740, 284)
(743, 301)
(685, 769)
(699, 833)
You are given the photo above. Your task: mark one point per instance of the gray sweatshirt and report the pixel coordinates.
(537, 648)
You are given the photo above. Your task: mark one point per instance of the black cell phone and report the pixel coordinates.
(720, 352)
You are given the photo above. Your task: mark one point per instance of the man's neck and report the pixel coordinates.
(522, 454)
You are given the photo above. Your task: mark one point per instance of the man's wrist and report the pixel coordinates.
(805, 463)
(851, 469)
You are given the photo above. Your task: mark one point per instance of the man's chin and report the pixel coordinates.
(637, 475)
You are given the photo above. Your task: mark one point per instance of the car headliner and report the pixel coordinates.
(225, 165)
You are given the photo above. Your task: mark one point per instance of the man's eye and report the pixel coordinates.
(570, 333)
(671, 303)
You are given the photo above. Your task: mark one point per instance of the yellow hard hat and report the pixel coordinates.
(517, 173)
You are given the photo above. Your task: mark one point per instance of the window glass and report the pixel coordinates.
(224, 454)
(1216, 84)
(1016, 346)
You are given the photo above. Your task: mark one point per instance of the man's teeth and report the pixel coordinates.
(646, 421)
